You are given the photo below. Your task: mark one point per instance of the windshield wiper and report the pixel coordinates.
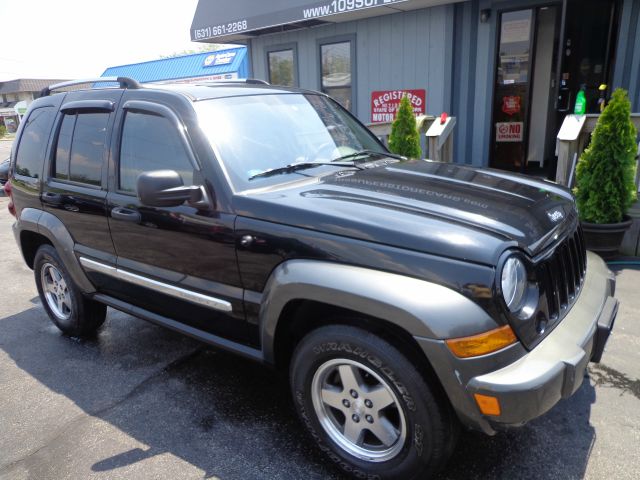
(292, 167)
(368, 153)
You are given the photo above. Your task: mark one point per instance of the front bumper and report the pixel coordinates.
(528, 384)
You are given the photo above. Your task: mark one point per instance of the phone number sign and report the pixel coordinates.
(385, 103)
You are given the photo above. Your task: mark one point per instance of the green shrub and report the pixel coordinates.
(605, 176)
(405, 139)
(3, 131)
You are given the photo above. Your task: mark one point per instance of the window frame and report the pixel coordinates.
(351, 38)
(151, 108)
(283, 47)
(54, 148)
(75, 110)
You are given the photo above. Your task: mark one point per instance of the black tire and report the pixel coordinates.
(430, 425)
(78, 316)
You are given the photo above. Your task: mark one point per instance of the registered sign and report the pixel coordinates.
(385, 103)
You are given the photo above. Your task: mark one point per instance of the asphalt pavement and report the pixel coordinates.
(140, 402)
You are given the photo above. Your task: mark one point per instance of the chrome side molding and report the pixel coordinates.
(177, 292)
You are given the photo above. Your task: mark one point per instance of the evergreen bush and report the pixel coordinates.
(605, 175)
(404, 138)
(3, 131)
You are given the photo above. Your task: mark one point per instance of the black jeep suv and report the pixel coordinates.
(403, 297)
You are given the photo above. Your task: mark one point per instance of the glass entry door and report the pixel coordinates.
(524, 90)
(511, 91)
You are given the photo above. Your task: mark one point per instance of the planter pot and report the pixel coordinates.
(605, 238)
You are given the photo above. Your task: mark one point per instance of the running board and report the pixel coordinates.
(206, 337)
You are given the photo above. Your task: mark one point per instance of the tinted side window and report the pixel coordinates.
(87, 148)
(80, 148)
(33, 142)
(63, 148)
(150, 142)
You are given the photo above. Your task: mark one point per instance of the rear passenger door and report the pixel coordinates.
(178, 262)
(75, 189)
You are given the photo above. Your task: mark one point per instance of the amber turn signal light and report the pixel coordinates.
(483, 343)
(488, 405)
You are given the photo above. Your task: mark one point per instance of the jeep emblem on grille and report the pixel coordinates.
(555, 215)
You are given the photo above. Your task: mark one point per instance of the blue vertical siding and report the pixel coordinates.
(627, 68)
(445, 50)
(402, 50)
(464, 79)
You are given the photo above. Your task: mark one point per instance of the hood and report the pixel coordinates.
(437, 208)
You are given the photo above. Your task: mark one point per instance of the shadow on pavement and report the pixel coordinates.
(233, 418)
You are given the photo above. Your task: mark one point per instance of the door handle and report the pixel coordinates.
(126, 214)
(53, 198)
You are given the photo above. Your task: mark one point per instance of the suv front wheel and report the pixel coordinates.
(67, 308)
(368, 407)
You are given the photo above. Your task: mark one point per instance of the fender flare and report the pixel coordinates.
(49, 226)
(421, 308)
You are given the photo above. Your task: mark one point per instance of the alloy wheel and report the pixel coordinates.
(56, 291)
(359, 410)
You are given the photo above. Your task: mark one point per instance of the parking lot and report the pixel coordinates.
(143, 402)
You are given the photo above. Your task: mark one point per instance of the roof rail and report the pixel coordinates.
(124, 82)
(256, 81)
(250, 81)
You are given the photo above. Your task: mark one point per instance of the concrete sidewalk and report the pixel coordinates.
(5, 148)
(142, 402)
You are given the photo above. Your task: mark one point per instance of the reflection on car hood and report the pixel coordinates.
(443, 209)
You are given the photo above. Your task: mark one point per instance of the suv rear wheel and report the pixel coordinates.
(368, 407)
(69, 310)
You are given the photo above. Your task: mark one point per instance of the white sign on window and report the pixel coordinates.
(509, 131)
(515, 31)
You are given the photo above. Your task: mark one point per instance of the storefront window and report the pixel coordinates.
(337, 68)
(281, 65)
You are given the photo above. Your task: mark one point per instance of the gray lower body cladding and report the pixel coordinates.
(529, 383)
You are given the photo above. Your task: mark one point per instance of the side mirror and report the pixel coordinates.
(164, 188)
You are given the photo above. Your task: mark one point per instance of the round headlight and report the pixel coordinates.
(514, 283)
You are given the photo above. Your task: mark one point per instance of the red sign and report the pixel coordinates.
(511, 104)
(385, 104)
(509, 131)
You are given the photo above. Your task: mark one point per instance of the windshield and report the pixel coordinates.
(255, 133)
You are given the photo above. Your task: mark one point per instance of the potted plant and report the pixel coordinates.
(605, 178)
(404, 138)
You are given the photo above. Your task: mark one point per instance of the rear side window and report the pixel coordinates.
(150, 142)
(63, 148)
(80, 147)
(33, 142)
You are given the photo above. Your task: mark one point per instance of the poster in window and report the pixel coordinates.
(509, 132)
(514, 31)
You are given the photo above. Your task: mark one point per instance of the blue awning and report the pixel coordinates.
(229, 61)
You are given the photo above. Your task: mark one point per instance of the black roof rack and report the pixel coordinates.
(124, 82)
(249, 81)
